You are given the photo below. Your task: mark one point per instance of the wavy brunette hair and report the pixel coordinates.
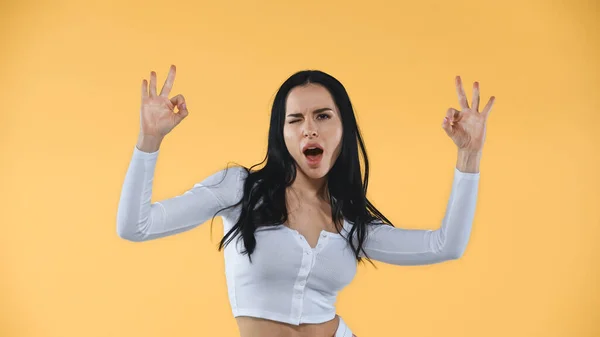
(264, 203)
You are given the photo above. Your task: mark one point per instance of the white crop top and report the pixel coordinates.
(288, 281)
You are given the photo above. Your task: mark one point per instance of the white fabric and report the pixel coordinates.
(343, 330)
(288, 281)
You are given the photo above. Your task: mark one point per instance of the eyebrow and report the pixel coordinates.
(315, 111)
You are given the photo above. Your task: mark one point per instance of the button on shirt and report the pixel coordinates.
(288, 280)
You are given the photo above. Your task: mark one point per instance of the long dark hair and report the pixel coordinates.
(263, 202)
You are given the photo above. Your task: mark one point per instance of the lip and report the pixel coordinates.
(314, 163)
(309, 145)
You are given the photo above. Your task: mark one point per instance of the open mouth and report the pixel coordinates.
(313, 155)
(313, 152)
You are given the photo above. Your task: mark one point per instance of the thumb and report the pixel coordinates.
(181, 114)
(446, 124)
(179, 101)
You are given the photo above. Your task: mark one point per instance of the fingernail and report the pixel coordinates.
(183, 106)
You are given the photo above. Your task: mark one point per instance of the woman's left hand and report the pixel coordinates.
(467, 126)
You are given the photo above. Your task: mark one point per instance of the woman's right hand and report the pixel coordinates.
(157, 117)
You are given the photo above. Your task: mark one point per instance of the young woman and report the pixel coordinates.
(303, 221)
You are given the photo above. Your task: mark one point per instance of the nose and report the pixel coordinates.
(310, 130)
(310, 133)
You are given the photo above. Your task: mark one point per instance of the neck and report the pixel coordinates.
(308, 188)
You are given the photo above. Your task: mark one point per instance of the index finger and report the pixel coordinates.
(166, 89)
(145, 89)
(462, 98)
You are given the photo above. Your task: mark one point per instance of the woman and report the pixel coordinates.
(302, 222)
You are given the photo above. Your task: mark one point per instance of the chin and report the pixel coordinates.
(317, 172)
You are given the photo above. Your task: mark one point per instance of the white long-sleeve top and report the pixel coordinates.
(288, 280)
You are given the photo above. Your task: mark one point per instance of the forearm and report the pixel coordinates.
(468, 162)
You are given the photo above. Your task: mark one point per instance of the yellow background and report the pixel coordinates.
(70, 78)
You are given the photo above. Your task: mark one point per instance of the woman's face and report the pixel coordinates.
(312, 120)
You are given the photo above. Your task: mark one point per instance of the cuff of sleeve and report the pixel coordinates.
(137, 153)
(466, 175)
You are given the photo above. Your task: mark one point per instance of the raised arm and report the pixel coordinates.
(140, 220)
(401, 246)
(137, 218)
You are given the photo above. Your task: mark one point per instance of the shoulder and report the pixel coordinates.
(231, 175)
(226, 184)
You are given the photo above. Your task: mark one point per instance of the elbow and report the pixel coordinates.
(450, 248)
(129, 233)
(449, 251)
(453, 254)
